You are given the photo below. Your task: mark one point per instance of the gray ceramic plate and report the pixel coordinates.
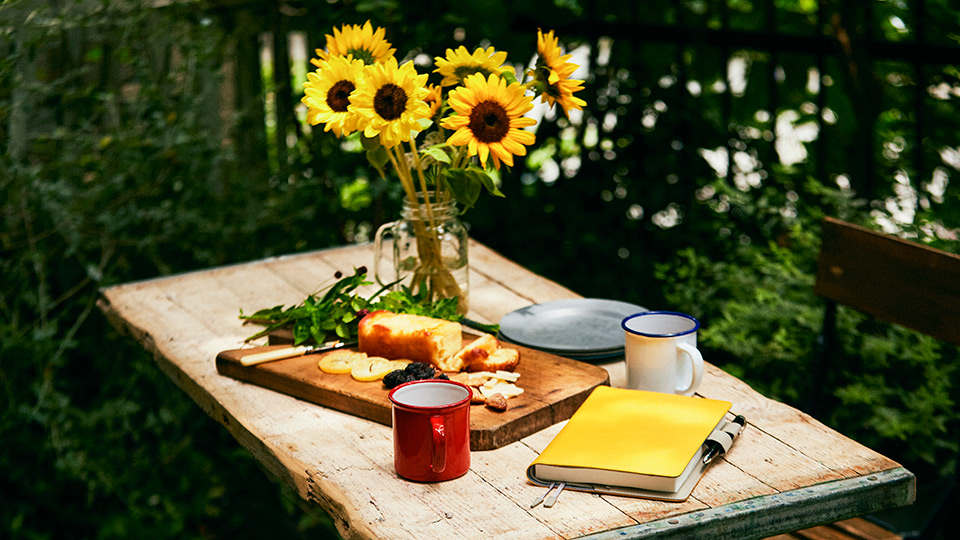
(578, 325)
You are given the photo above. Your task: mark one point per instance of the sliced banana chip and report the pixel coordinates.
(400, 363)
(342, 361)
(373, 369)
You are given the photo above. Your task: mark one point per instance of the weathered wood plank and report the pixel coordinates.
(902, 282)
(862, 529)
(793, 428)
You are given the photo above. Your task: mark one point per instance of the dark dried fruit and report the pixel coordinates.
(396, 378)
(415, 371)
(421, 370)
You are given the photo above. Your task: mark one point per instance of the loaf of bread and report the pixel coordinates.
(413, 337)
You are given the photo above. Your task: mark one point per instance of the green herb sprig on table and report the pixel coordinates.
(335, 313)
(339, 310)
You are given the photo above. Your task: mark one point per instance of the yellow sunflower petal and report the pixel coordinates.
(455, 121)
(482, 151)
(552, 74)
(360, 42)
(501, 152)
(514, 147)
(523, 122)
(460, 137)
(458, 64)
(524, 137)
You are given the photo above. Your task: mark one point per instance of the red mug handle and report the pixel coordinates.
(439, 461)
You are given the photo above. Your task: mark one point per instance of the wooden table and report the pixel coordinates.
(787, 472)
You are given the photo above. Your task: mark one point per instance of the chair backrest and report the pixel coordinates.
(903, 282)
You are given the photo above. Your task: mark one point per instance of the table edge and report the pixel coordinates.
(873, 492)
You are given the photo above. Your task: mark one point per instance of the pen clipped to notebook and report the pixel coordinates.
(722, 438)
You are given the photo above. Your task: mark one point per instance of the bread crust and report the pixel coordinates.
(414, 337)
(477, 351)
(498, 360)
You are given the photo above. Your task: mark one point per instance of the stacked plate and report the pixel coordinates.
(581, 328)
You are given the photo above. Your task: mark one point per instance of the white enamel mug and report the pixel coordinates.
(661, 352)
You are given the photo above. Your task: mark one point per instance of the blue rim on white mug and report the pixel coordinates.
(696, 324)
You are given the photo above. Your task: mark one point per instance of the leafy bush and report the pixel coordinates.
(115, 172)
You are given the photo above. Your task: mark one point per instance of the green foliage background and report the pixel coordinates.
(120, 161)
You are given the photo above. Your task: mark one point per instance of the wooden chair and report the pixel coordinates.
(901, 282)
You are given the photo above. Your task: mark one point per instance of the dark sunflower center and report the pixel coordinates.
(489, 122)
(338, 97)
(390, 102)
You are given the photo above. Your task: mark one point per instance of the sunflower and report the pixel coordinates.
(434, 98)
(361, 42)
(327, 94)
(460, 64)
(490, 119)
(389, 102)
(552, 74)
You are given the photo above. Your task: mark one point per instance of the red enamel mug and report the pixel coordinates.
(431, 430)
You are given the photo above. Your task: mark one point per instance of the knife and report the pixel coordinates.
(290, 352)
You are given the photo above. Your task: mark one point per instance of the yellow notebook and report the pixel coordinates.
(632, 442)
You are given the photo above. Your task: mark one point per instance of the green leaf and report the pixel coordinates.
(437, 152)
(378, 157)
(318, 335)
(487, 181)
(466, 184)
(301, 332)
(370, 143)
(263, 313)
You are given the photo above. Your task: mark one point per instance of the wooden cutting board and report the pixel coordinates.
(553, 389)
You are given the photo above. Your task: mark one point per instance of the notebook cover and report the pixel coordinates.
(635, 431)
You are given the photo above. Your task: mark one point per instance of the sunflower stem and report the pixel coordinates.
(423, 179)
(405, 180)
(430, 270)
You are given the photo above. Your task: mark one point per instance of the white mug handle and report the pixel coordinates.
(386, 228)
(696, 359)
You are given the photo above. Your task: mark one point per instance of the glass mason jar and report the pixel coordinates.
(429, 249)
